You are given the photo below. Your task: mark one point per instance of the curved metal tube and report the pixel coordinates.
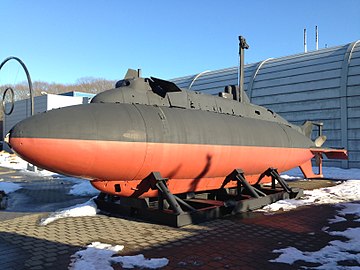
(252, 80)
(344, 98)
(196, 77)
(28, 79)
(12, 100)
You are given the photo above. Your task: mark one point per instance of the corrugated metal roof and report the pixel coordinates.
(321, 85)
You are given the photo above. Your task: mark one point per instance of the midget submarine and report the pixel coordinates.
(147, 125)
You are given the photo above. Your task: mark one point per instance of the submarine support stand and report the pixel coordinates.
(190, 208)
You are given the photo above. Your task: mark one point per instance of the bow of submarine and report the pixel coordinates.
(37, 139)
(86, 141)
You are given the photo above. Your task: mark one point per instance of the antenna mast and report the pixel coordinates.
(242, 45)
(316, 37)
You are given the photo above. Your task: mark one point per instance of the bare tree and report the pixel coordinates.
(85, 84)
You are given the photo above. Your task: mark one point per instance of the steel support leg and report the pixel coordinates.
(276, 176)
(164, 192)
(238, 175)
(184, 203)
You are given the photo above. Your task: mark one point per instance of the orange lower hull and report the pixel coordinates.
(189, 167)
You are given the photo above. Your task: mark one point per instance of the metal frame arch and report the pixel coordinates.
(343, 98)
(252, 80)
(27, 76)
(196, 77)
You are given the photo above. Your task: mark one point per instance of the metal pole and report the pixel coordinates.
(316, 37)
(305, 45)
(239, 66)
(28, 79)
(242, 45)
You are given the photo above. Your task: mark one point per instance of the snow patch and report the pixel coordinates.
(140, 261)
(88, 208)
(81, 187)
(328, 256)
(96, 256)
(328, 172)
(336, 219)
(13, 161)
(347, 191)
(290, 177)
(101, 256)
(349, 209)
(336, 250)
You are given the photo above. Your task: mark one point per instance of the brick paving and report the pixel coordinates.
(237, 242)
(247, 243)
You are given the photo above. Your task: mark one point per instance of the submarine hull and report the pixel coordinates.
(121, 144)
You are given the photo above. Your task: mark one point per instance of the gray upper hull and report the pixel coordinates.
(145, 123)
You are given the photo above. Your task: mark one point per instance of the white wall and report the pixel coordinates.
(58, 101)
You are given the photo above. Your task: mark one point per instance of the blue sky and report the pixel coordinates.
(61, 41)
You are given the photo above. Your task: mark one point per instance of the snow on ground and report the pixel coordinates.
(328, 172)
(9, 187)
(88, 208)
(13, 161)
(347, 191)
(346, 197)
(101, 256)
(80, 188)
(140, 261)
(341, 195)
(291, 177)
(336, 251)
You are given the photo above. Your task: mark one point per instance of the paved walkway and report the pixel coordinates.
(230, 243)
